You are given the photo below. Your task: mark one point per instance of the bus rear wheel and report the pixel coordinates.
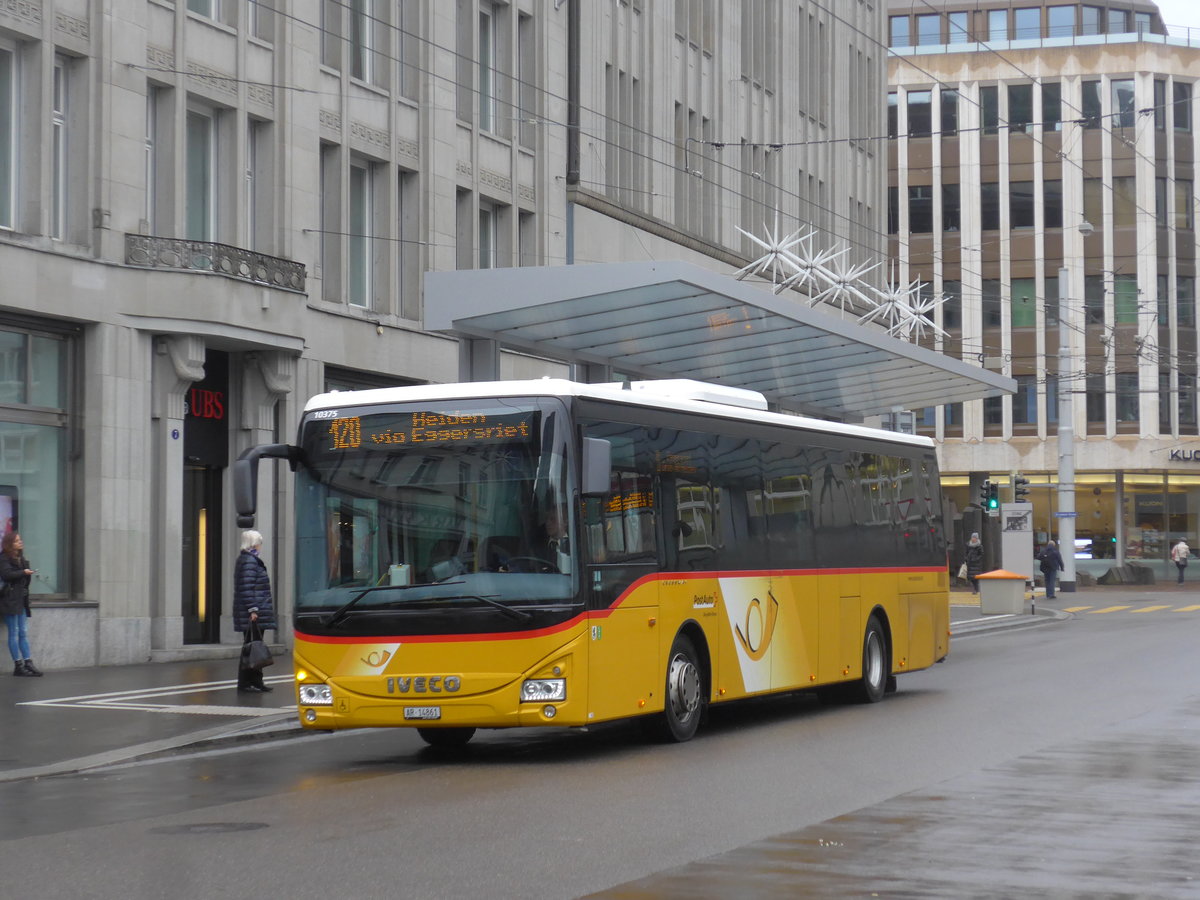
(873, 685)
(446, 737)
(683, 701)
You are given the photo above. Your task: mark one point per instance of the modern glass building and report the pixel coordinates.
(1029, 139)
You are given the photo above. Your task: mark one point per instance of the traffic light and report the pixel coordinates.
(1020, 489)
(989, 496)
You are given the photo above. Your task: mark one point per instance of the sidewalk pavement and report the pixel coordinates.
(74, 720)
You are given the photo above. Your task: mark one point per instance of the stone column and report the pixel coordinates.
(178, 362)
(268, 376)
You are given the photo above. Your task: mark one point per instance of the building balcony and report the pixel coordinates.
(149, 252)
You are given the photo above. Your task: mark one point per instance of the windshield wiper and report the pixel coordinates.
(342, 611)
(519, 614)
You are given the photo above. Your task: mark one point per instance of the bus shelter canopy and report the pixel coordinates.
(677, 320)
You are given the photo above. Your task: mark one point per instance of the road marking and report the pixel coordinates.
(1187, 609)
(1150, 609)
(141, 700)
(1076, 608)
(1107, 609)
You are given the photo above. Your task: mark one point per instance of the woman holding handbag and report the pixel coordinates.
(15, 575)
(253, 611)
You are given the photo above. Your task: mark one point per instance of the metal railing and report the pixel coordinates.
(150, 252)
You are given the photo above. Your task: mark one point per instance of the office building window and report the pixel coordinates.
(898, 26)
(951, 208)
(1050, 300)
(487, 68)
(929, 29)
(1051, 399)
(952, 305)
(1184, 212)
(361, 39)
(920, 113)
(1124, 201)
(1020, 204)
(1118, 21)
(1095, 395)
(1127, 396)
(262, 20)
(893, 210)
(1125, 299)
(920, 209)
(1142, 22)
(1091, 107)
(1182, 94)
(1187, 403)
(1024, 302)
(1060, 21)
(1093, 201)
(1052, 106)
(1052, 203)
(993, 414)
(989, 106)
(893, 109)
(989, 205)
(331, 33)
(360, 286)
(1124, 113)
(1024, 407)
(59, 148)
(1165, 402)
(1020, 107)
(949, 125)
(957, 28)
(992, 303)
(1027, 23)
(1185, 300)
(207, 8)
(9, 117)
(258, 185)
(201, 175)
(1090, 20)
(998, 25)
(1093, 300)
(1160, 202)
(488, 236)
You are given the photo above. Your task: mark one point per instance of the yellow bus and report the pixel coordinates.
(537, 553)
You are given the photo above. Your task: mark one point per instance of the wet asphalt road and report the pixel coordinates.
(1060, 761)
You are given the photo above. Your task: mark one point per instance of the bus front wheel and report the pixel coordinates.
(446, 737)
(873, 685)
(684, 698)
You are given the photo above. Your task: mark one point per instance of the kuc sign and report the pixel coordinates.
(1178, 455)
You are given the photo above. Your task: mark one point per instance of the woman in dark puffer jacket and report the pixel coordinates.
(253, 611)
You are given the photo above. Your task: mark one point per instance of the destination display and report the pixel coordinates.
(355, 432)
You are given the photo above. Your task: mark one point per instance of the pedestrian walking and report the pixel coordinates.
(15, 576)
(253, 610)
(1051, 563)
(1179, 555)
(973, 557)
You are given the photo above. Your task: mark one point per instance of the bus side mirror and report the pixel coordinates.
(597, 464)
(245, 477)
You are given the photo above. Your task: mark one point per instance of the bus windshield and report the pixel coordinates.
(434, 507)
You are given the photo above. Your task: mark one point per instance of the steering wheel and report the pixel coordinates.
(536, 564)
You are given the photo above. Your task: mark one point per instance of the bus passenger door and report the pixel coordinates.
(620, 564)
(841, 625)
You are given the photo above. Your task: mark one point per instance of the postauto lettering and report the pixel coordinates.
(424, 684)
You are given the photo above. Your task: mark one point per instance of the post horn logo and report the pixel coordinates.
(377, 658)
(766, 626)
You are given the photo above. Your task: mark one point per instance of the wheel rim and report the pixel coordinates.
(683, 688)
(873, 662)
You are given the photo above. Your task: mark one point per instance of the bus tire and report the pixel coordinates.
(683, 700)
(873, 684)
(446, 737)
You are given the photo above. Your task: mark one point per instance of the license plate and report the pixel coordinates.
(422, 712)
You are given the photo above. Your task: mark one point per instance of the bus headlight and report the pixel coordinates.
(316, 695)
(542, 689)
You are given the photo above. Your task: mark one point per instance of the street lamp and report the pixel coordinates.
(1066, 423)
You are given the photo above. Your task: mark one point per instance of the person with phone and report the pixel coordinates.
(15, 576)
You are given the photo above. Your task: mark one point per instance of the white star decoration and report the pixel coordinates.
(791, 261)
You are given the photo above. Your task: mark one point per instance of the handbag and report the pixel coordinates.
(257, 655)
(962, 571)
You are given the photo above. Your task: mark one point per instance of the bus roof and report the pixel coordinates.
(680, 395)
